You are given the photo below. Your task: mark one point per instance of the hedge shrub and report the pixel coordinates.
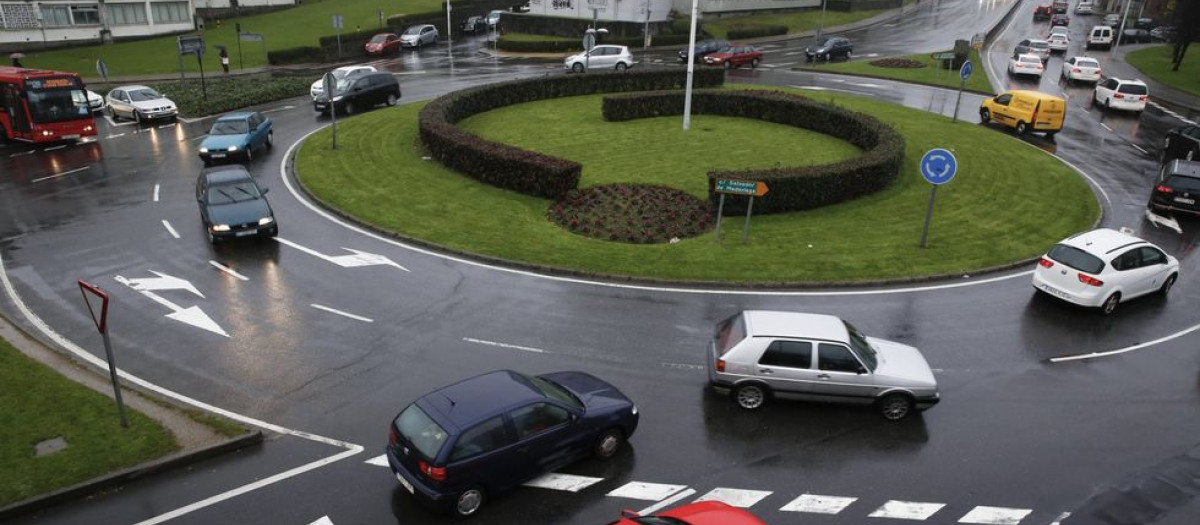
(227, 93)
(792, 188)
(513, 168)
(744, 32)
(296, 55)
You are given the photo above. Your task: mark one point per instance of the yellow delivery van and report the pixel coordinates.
(1026, 111)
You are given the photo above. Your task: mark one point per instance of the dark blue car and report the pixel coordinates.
(455, 446)
(237, 135)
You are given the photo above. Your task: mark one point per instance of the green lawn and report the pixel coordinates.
(1155, 62)
(799, 21)
(37, 404)
(930, 74)
(994, 212)
(299, 26)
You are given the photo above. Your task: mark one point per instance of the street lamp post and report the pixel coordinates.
(589, 42)
(821, 25)
(691, 69)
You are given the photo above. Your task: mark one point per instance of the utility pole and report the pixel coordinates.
(687, 97)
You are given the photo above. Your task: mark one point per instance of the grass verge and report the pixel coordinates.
(993, 213)
(931, 74)
(37, 404)
(1155, 62)
(808, 20)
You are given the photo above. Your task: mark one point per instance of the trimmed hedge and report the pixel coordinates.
(227, 93)
(296, 55)
(796, 187)
(560, 46)
(513, 168)
(744, 32)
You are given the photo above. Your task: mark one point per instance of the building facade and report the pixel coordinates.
(659, 10)
(56, 23)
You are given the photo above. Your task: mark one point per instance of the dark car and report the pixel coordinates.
(232, 205)
(360, 92)
(1042, 12)
(473, 25)
(736, 55)
(1163, 33)
(703, 48)
(1177, 188)
(454, 447)
(1182, 143)
(1144, 23)
(382, 44)
(1135, 36)
(1060, 6)
(828, 48)
(1060, 20)
(237, 135)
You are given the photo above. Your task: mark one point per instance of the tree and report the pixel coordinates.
(1187, 27)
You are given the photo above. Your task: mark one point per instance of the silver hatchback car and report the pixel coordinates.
(760, 354)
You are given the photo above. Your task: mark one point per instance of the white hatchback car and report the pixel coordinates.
(318, 88)
(139, 103)
(1103, 267)
(1027, 64)
(1084, 8)
(1115, 93)
(601, 57)
(759, 354)
(1085, 69)
(1059, 42)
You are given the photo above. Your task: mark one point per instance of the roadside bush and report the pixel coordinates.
(228, 94)
(296, 55)
(513, 168)
(744, 32)
(792, 188)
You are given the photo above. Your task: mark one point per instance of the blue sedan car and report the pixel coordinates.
(457, 445)
(236, 135)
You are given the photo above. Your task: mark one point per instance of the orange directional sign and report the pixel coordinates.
(742, 187)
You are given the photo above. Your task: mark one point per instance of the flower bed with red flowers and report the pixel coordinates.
(632, 213)
(899, 63)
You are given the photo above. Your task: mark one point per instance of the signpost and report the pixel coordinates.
(337, 24)
(963, 73)
(330, 83)
(938, 166)
(102, 69)
(192, 45)
(250, 37)
(750, 188)
(86, 288)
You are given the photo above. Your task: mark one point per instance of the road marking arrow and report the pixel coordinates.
(323, 521)
(192, 315)
(1158, 220)
(355, 259)
(162, 282)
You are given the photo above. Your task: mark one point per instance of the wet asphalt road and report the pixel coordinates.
(1013, 431)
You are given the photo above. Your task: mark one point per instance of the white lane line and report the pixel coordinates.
(55, 148)
(63, 174)
(1171, 113)
(22, 154)
(165, 126)
(873, 86)
(625, 286)
(565, 482)
(170, 229)
(378, 461)
(504, 345)
(735, 497)
(1060, 518)
(821, 88)
(666, 502)
(995, 516)
(156, 193)
(114, 136)
(341, 313)
(1139, 148)
(907, 510)
(682, 366)
(818, 504)
(1139, 346)
(646, 491)
(1105, 126)
(228, 270)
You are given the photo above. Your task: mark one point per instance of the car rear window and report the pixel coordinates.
(419, 429)
(730, 332)
(1039, 44)
(1087, 63)
(1183, 183)
(1076, 258)
(1133, 89)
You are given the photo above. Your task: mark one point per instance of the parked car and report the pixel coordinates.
(1060, 20)
(382, 44)
(236, 135)
(703, 48)
(698, 513)
(460, 444)
(1041, 48)
(1135, 36)
(1060, 6)
(493, 18)
(95, 101)
(232, 205)
(1182, 143)
(139, 103)
(1177, 188)
(757, 355)
(1111, 20)
(1116, 93)
(736, 55)
(1163, 33)
(600, 57)
(1084, 69)
(1027, 64)
(1059, 43)
(1059, 30)
(1042, 12)
(829, 48)
(473, 25)
(1025, 111)
(1103, 267)
(1144, 23)
(360, 92)
(340, 73)
(419, 35)
(1084, 8)
(1100, 36)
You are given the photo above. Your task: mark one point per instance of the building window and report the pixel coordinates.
(127, 13)
(70, 15)
(170, 12)
(56, 15)
(85, 14)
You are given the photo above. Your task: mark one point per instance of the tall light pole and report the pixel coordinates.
(1121, 31)
(821, 25)
(589, 41)
(687, 97)
(449, 27)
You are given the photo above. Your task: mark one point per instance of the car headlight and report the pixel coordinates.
(635, 410)
(203, 150)
(232, 148)
(265, 221)
(220, 227)
(337, 98)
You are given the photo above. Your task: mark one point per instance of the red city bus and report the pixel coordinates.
(43, 106)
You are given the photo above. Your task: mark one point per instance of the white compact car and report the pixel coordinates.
(1115, 93)
(601, 57)
(1059, 43)
(1084, 8)
(318, 88)
(1103, 267)
(1083, 69)
(419, 35)
(95, 101)
(1027, 64)
(139, 103)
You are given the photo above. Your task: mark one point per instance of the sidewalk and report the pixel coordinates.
(1159, 92)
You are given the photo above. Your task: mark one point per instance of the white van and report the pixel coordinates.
(1100, 36)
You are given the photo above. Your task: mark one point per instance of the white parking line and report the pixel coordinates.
(165, 126)
(115, 136)
(55, 148)
(735, 497)
(565, 482)
(646, 491)
(907, 510)
(995, 516)
(170, 229)
(666, 502)
(155, 193)
(1139, 346)
(1139, 148)
(818, 504)
(22, 154)
(1105, 126)
(229, 270)
(341, 313)
(63, 174)
(378, 461)
(1060, 518)
(504, 345)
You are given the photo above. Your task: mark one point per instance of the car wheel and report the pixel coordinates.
(1022, 127)
(206, 162)
(212, 239)
(1191, 154)
(750, 397)
(728, 64)
(985, 116)
(391, 100)
(895, 407)
(113, 113)
(608, 444)
(348, 108)
(249, 153)
(270, 139)
(577, 67)
(753, 63)
(1167, 285)
(1110, 304)
(468, 502)
(849, 55)
(621, 66)
(137, 116)
(1108, 105)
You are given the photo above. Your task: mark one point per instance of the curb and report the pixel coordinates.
(881, 77)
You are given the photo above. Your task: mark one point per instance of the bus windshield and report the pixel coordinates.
(57, 105)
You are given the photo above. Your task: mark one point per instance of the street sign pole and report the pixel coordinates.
(720, 209)
(203, 85)
(938, 166)
(691, 69)
(928, 215)
(746, 228)
(238, 29)
(337, 24)
(963, 73)
(749, 188)
(330, 83)
(102, 325)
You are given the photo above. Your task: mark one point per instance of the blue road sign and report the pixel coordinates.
(965, 71)
(938, 166)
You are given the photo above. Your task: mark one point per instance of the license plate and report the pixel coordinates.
(245, 233)
(1182, 200)
(1054, 291)
(70, 137)
(218, 155)
(406, 484)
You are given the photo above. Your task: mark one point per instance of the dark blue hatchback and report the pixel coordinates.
(458, 444)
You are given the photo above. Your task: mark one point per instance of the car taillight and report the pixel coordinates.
(1143, 98)
(1118, 95)
(1163, 188)
(434, 473)
(1046, 263)
(720, 365)
(393, 438)
(1074, 70)
(1089, 280)
(1099, 72)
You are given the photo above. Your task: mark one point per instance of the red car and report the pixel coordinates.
(1042, 12)
(736, 55)
(383, 43)
(700, 513)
